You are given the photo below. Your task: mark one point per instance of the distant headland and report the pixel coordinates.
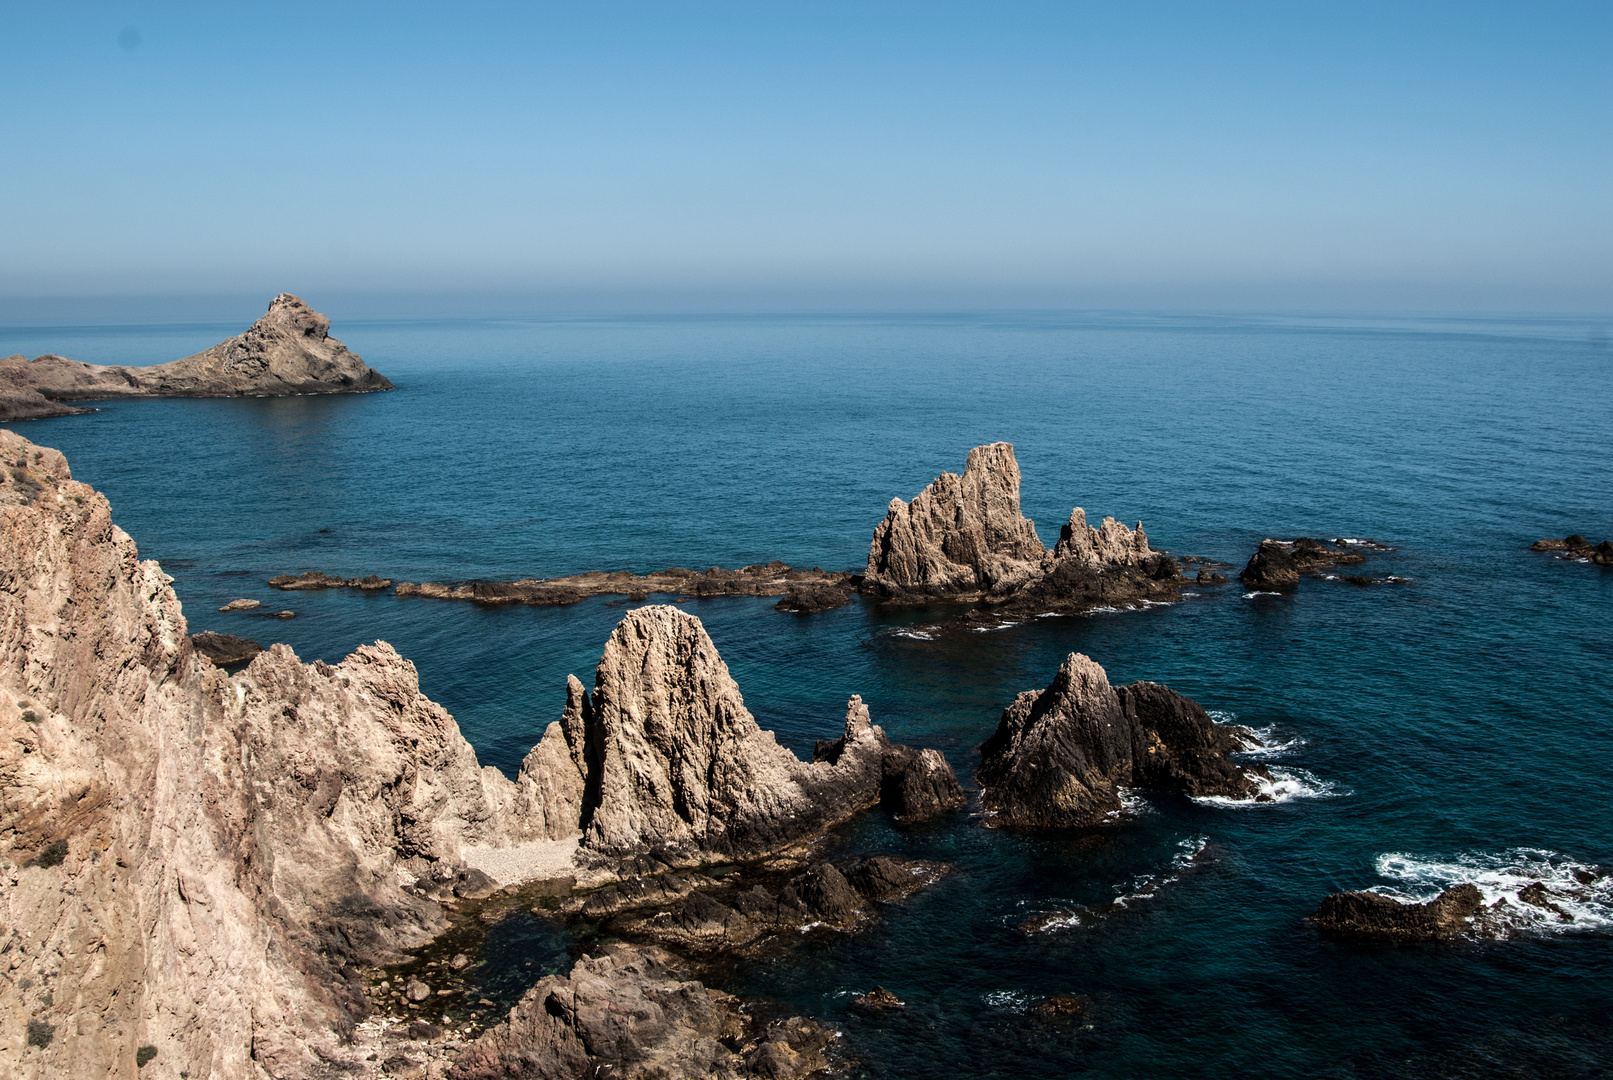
(287, 352)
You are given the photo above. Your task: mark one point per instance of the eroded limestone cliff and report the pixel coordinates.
(194, 862)
(194, 866)
(288, 351)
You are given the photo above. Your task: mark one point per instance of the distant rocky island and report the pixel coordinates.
(287, 352)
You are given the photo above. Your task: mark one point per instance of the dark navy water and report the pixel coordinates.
(1457, 725)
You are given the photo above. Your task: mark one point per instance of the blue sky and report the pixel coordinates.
(777, 156)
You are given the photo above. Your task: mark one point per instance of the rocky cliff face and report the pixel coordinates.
(664, 758)
(194, 865)
(964, 538)
(1060, 756)
(189, 861)
(288, 351)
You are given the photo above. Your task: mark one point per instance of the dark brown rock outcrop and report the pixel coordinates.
(1577, 547)
(288, 351)
(1373, 915)
(696, 914)
(225, 649)
(805, 590)
(315, 579)
(963, 538)
(629, 1013)
(1278, 564)
(1060, 756)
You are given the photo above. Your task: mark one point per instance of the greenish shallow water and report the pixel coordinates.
(1463, 721)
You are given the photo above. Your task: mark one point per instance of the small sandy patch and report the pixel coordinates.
(532, 861)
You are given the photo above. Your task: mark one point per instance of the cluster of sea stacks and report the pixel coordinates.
(288, 351)
(207, 870)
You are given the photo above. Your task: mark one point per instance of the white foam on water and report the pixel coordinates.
(1285, 785)
(1258, 592)
(992, 629)
(1132, 804)
(1148, 886)
(916, 635)
(1582, 906)
(1262, 744)
(1105, 610)
(1012, 1000)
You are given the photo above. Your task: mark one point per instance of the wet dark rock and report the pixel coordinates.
(1278, 564)
(316, 579)
(917, 785)
(818, 590)
(811, 598)
(1577, 547)
(1207, 577)
(1537, 895)
(473, 884)
(422, 1031)
(1062, 1008)
(1271, 567)
(878, 1000)
(1060, 756)
(1373, 915)
(225, 649)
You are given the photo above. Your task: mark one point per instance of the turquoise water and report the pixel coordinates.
(1457, 724)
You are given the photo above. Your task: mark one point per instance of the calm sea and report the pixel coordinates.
(1457, 726)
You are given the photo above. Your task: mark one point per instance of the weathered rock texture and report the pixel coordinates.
(664, 757)
(288, 351)
(1577, 547)
(1278, 564)
(200, 862)
(963, 538)
(763, 579)
(1060, 756)
(1373, 915)
(630, 1014)
(190, 860)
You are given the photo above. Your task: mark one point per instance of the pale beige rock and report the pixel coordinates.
(964, 539)
(962, 535)
(664, 757)
(187, 855)
(241, 605)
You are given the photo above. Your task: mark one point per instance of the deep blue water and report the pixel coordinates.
(1454, 719)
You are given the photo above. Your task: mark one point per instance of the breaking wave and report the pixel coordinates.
(1285, 785)
(1563, 895)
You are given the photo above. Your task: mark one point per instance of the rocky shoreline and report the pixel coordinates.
(289, 351)
(230, 854)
